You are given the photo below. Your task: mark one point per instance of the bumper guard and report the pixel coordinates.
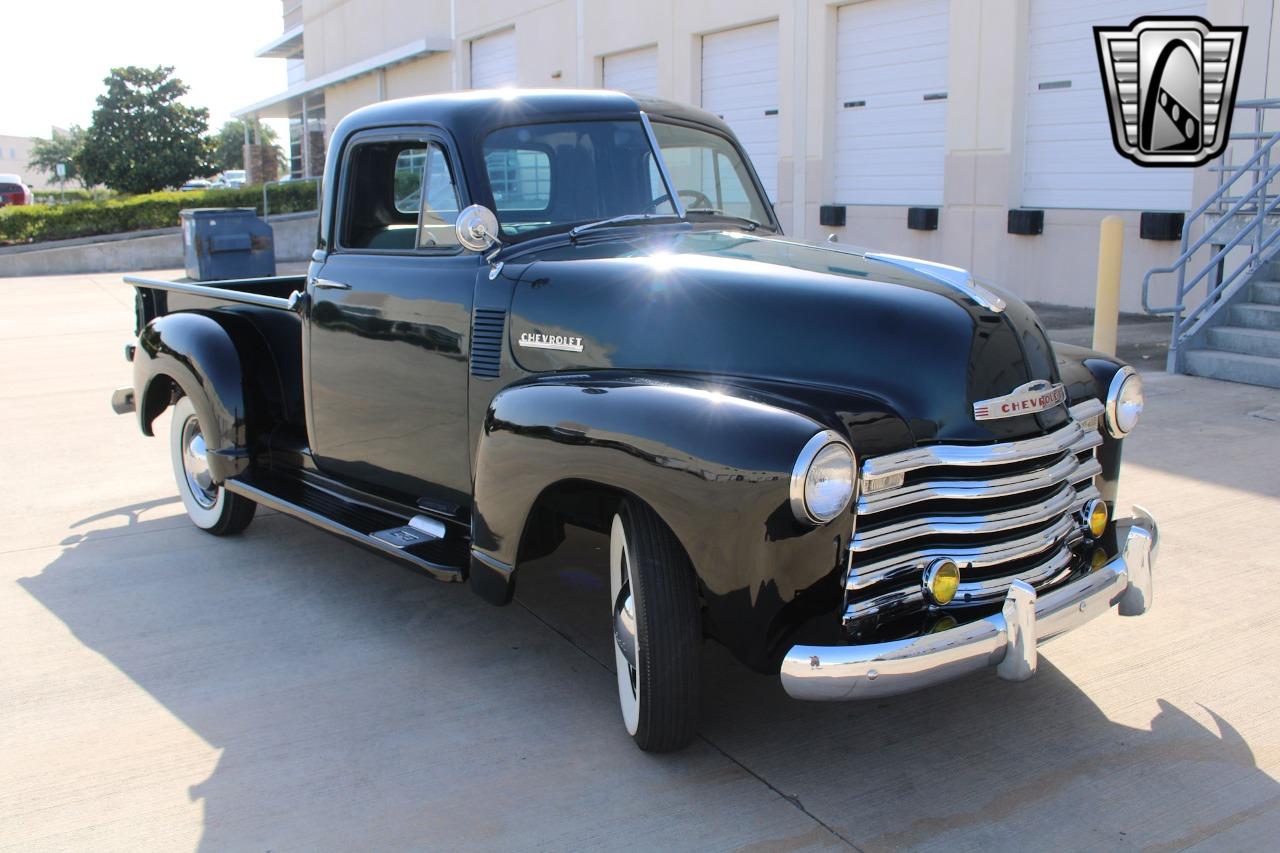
(1006, 640)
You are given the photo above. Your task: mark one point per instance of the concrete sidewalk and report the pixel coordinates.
(283, 690)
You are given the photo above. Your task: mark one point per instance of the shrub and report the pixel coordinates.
(37, 223)
(72, 195)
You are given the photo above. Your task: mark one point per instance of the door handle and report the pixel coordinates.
(328, 284)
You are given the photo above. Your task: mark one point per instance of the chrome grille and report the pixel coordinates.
(1000, 511)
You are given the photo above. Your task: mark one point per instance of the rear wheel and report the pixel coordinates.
(210, 507)
(657, 630)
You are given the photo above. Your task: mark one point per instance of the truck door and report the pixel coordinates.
(390, 316)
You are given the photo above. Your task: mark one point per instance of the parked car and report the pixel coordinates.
(195, 185)
(862, 472)
(13, 190)
(230, 179)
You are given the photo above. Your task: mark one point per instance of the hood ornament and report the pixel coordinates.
(952, 277)
(1036, 396)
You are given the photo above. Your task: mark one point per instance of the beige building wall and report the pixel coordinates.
(564, 42)
(15, 154)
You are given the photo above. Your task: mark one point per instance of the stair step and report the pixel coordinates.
(1234, 367)
(1255, 315)
(1266, 292)
(1264, 342)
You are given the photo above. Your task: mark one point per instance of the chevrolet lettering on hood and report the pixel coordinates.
(1035, 396)
(537, 340)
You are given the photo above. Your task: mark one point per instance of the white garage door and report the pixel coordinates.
(493, 61)
(1069, 159)
(891, 102)
(740, 84)
(634, 71)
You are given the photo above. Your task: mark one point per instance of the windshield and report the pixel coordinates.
(708, 174)
(552, 177)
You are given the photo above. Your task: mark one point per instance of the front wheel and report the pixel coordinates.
(211, 507)
(657, 630)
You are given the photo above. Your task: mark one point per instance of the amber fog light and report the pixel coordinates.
(1098, 560)
(941, 580)
(1096, 517)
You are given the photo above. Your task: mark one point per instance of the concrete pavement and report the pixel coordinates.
(283, 690)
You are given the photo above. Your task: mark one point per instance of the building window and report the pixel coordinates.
(306, 148)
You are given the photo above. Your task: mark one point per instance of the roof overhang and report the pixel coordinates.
(287, 45)
(279, 106)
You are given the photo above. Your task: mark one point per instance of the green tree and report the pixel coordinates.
(228, 144)
(60, 147)
(143, 138)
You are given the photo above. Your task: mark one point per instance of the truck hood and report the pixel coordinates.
(918, 340)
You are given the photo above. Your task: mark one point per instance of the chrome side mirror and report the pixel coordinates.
(477, 228)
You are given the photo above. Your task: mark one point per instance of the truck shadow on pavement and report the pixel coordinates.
(360, 705)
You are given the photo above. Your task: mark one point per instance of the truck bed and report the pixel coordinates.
(270, 306)
(272, 292)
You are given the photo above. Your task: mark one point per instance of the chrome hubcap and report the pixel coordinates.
(624, 623)
(626, 636)
(195, 464)
(624, 626)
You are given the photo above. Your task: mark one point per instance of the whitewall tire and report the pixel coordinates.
(209, 506)
(657, 630)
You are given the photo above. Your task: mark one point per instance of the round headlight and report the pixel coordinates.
(822, 481)
(1124, 402)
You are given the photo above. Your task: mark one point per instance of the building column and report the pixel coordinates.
(986, 101)
(306, 141)
(799, 117)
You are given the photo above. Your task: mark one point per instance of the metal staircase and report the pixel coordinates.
(1231, 330)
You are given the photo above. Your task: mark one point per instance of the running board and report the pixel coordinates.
(420, 542)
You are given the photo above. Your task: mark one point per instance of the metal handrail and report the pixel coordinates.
(1179, 265)
(1227, 280)
(1255, 202)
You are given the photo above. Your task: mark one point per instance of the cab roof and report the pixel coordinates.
(474, 113)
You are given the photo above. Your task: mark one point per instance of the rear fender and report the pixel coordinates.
(193, 351)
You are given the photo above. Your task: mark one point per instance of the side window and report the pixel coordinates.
(385, 208)
(441, 209)
(520, 179)
(408, 180)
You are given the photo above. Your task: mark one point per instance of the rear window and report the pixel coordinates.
(11, 188)
(545, 177)
(520, 178)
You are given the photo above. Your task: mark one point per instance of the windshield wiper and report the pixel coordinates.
(624, 219)
(747, 222)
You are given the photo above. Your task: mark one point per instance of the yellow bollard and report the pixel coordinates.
(1106, 305)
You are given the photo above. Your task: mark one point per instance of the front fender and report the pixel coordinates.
(715, 466)
(198, 354)
(1088, 373)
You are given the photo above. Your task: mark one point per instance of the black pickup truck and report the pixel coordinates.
(865, 472)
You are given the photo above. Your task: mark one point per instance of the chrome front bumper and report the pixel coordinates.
(1006, 640)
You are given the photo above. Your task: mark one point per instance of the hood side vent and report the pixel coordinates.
(487, 327)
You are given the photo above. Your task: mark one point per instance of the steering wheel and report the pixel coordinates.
(698, 200)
